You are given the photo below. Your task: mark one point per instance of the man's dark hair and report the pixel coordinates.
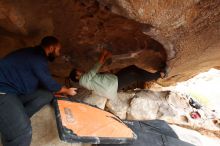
(73, 75)
(48, 41)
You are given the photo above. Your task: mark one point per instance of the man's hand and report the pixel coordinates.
(104, 56)
(71, 91)
(108, 55)
(67, 91)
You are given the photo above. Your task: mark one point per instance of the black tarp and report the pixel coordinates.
(152, 133)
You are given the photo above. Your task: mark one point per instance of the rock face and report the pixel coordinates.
(144, 33)
(190, 31)
(145, 105)
(82, 26)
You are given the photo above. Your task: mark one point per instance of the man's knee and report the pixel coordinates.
(41, 98)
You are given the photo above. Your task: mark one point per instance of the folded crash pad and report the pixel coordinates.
(80, 122)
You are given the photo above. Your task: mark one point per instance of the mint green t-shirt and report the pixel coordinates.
(105, 84)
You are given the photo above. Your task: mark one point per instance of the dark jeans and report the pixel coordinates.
(133, 76)
(15, 113)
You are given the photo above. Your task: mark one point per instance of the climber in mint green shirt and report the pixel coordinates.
(107, 84)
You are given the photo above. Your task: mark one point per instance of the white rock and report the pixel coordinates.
(145, 105)
(96, 100)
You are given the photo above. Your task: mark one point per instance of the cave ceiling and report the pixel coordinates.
(147, 33)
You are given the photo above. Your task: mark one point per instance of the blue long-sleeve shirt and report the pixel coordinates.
(24, 71)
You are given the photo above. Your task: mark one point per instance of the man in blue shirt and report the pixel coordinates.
(25, 87)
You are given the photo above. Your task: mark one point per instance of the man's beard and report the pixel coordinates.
(51, 57)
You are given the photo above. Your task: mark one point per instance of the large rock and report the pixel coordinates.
(168, 106)
(96, 100)
(119, 106)
(145, 105)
